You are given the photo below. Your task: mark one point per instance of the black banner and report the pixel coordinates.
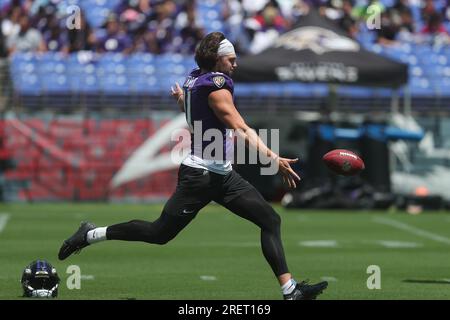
(317, 50)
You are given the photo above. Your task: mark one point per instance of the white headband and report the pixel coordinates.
(225, 48)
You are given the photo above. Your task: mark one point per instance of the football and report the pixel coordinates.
(343, 162)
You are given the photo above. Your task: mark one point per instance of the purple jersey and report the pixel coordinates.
(200, 117)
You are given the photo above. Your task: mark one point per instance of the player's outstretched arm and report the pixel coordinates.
(178, 94)
(221, 102)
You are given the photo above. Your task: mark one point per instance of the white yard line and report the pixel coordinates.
(4, 217)
(319, 243)
(411, 229)
(398, 244)
(329, 279)
(226, 244)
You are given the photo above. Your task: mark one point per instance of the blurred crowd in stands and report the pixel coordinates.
(161, 26)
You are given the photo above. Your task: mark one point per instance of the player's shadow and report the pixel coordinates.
(427, 281)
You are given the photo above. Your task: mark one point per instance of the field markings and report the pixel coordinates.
(87, 277)
(4, 217)
(398, 244)
(411, 229)
(208, 278)
(391, 244)
(319, 243)
(329, 243)
(329, 279)
(225, 244)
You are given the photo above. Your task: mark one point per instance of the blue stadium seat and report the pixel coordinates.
(166, 65)
(406, 48)
(82, 76)
(50, 56)
(27, 83)
(51, 67)
(319, 89)
(355, 92)
(51, 71)
(296, 89)
(24, 73)
(54, 83)
(418, 71)
(422, 50)
(189, 62)
(140, 63)
(446, 51)
(24, 62)
(211, 25)
(84, 82)
(209, 15)
(436, 71)
(244, 89)
(111, 69)
(143, 84)
(164, 83)
(420, 87)
(209, 4)
(111, 64)
(112, 57)
(382, 92)
(268, 89)
(432, 59)
(115, 84)
(168, 59)
(443, 87)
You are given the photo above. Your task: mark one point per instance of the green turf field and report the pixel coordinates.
(218, 256)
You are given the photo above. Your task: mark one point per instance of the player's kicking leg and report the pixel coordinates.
(77, 241)
(160, 231)
(252, 206)
(178, 212)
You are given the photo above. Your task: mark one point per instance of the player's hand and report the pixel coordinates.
(289, 175)
(177, 92)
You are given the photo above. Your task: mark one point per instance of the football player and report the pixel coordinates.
(207, 99)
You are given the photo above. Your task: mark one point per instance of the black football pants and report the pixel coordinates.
(195, 189)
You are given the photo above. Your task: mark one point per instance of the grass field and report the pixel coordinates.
(218, 256)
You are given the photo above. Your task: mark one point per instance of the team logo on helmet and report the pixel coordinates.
(40, 280)
(219, 81)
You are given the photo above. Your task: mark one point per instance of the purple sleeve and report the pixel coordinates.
(217, 81)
